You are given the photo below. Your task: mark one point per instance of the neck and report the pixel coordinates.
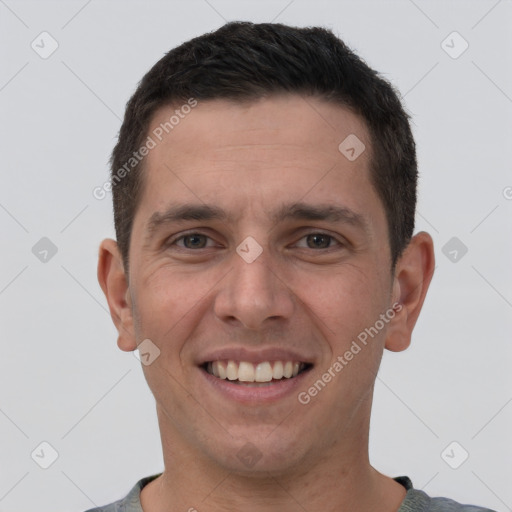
(341, 479)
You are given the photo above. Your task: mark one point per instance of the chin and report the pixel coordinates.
(259, 452)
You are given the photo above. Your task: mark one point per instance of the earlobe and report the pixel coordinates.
(113, 282)
(413, 274)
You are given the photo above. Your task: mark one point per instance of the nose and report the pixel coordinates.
(254, 294)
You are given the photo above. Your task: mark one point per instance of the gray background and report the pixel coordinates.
(63, 379)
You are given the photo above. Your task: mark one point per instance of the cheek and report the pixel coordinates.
(168, 306)
(346, 301)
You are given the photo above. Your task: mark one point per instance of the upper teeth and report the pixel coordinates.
(248, 372)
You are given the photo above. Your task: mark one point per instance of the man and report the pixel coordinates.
(264, 188)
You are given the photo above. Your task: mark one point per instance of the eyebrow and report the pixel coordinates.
(292, 211)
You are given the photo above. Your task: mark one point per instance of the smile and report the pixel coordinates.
(258, 374)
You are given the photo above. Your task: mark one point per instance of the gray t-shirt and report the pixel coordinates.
(414, 501)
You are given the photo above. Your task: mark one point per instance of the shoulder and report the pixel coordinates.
(418, 501)
(131, 502)
(448, 505)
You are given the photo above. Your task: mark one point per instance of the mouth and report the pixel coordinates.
(261, 374)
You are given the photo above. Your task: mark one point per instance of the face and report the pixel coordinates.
(259, 249)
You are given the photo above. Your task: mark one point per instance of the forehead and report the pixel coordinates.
(281, 119)
(256, 152)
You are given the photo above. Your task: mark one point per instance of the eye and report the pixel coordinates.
(318, 241)
(200, 241)
(192, 241)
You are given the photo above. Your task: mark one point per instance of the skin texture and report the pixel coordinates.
(310, 296)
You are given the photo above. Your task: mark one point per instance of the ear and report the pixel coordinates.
(113, 282)
(413, 274)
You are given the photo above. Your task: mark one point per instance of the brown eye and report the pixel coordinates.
(318, 241)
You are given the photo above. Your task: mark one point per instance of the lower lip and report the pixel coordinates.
(255, 394)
